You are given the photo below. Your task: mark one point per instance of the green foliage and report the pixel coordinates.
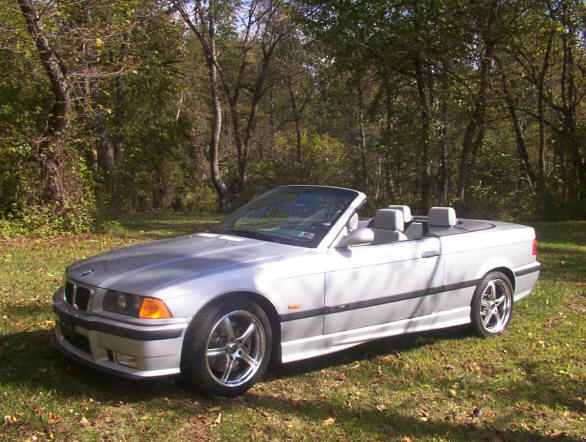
(380, 91)
(324, 161)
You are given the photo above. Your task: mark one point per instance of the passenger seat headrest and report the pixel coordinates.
(442, 216)
(389, 219)
(407, 218)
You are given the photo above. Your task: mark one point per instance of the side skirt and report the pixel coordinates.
(320, 345)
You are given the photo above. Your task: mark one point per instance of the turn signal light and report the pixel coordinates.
(152, 308)
(534, 252)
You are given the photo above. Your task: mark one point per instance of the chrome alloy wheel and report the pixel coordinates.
(496, 305)
(235, 348)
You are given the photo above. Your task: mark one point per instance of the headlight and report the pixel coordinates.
(134, 305)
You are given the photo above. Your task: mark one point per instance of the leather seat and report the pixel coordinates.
(414, 229)
(388, 226)
(442, 217)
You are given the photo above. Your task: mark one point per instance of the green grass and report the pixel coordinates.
(528, 384)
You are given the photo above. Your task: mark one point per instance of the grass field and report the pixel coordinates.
(528, 384)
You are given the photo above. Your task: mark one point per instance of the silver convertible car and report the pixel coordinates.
(291, 275)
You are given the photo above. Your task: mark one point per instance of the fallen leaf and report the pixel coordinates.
(452, 392)
(329, 421)
(53, 418)
(489, 415)
(381, 407)
(83, 422)
(406, 439)
(218, 419)
(555, 434)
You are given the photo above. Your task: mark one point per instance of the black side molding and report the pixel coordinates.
(377, 301)
(534, 268)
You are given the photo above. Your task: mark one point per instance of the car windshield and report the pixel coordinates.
(296, 215)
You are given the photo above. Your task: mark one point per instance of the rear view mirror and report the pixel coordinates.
(356, 238)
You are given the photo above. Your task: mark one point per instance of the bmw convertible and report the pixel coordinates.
(291, 275)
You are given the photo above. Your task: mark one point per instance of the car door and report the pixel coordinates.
(381, 283)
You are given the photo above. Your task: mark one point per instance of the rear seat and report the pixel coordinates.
(441, 218)
(388, 226)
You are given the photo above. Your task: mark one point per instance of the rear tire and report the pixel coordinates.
(492, 304)
(227, 348)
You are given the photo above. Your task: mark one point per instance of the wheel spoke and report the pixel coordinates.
(248, 359)
(228, 369)
(498, 316)
(500, 300)
(486, 319)
(247, 334)
(228, 328)
(484, 303)
(215, 352)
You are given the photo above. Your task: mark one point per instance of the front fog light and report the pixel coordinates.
(122, 359)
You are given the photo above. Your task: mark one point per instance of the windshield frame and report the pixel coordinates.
(321, 239)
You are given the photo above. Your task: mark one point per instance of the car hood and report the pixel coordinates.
(142, 268)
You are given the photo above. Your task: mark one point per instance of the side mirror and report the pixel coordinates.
(356, 238)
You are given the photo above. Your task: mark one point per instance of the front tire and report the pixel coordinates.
(227, 348)
(492, 304)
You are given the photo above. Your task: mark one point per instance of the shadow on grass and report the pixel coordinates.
(367, 351)
(372, 424)
(30, 362)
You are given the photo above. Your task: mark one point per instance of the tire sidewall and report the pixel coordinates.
(194, 369)
(477, 298)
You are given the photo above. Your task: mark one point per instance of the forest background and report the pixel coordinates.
(110, 107)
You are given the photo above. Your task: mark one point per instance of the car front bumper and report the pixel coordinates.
(117, 347)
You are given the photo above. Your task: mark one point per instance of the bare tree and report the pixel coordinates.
(261, 25)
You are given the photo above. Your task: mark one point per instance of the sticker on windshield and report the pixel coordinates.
(304, 235)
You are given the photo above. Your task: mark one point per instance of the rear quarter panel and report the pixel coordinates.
(469, 256)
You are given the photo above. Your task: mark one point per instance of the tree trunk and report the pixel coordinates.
(217, 180)
(206, 21)
(362, 138)
(425, 117)
(296, 119)
(540, 114)
(519, 138)
(471, 146)
(51, 147)
(444, 155)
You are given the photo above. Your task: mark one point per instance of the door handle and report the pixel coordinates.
(430, 253)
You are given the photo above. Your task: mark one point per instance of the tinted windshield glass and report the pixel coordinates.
(297, 215)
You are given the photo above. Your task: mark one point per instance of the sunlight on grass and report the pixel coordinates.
(447, 385)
